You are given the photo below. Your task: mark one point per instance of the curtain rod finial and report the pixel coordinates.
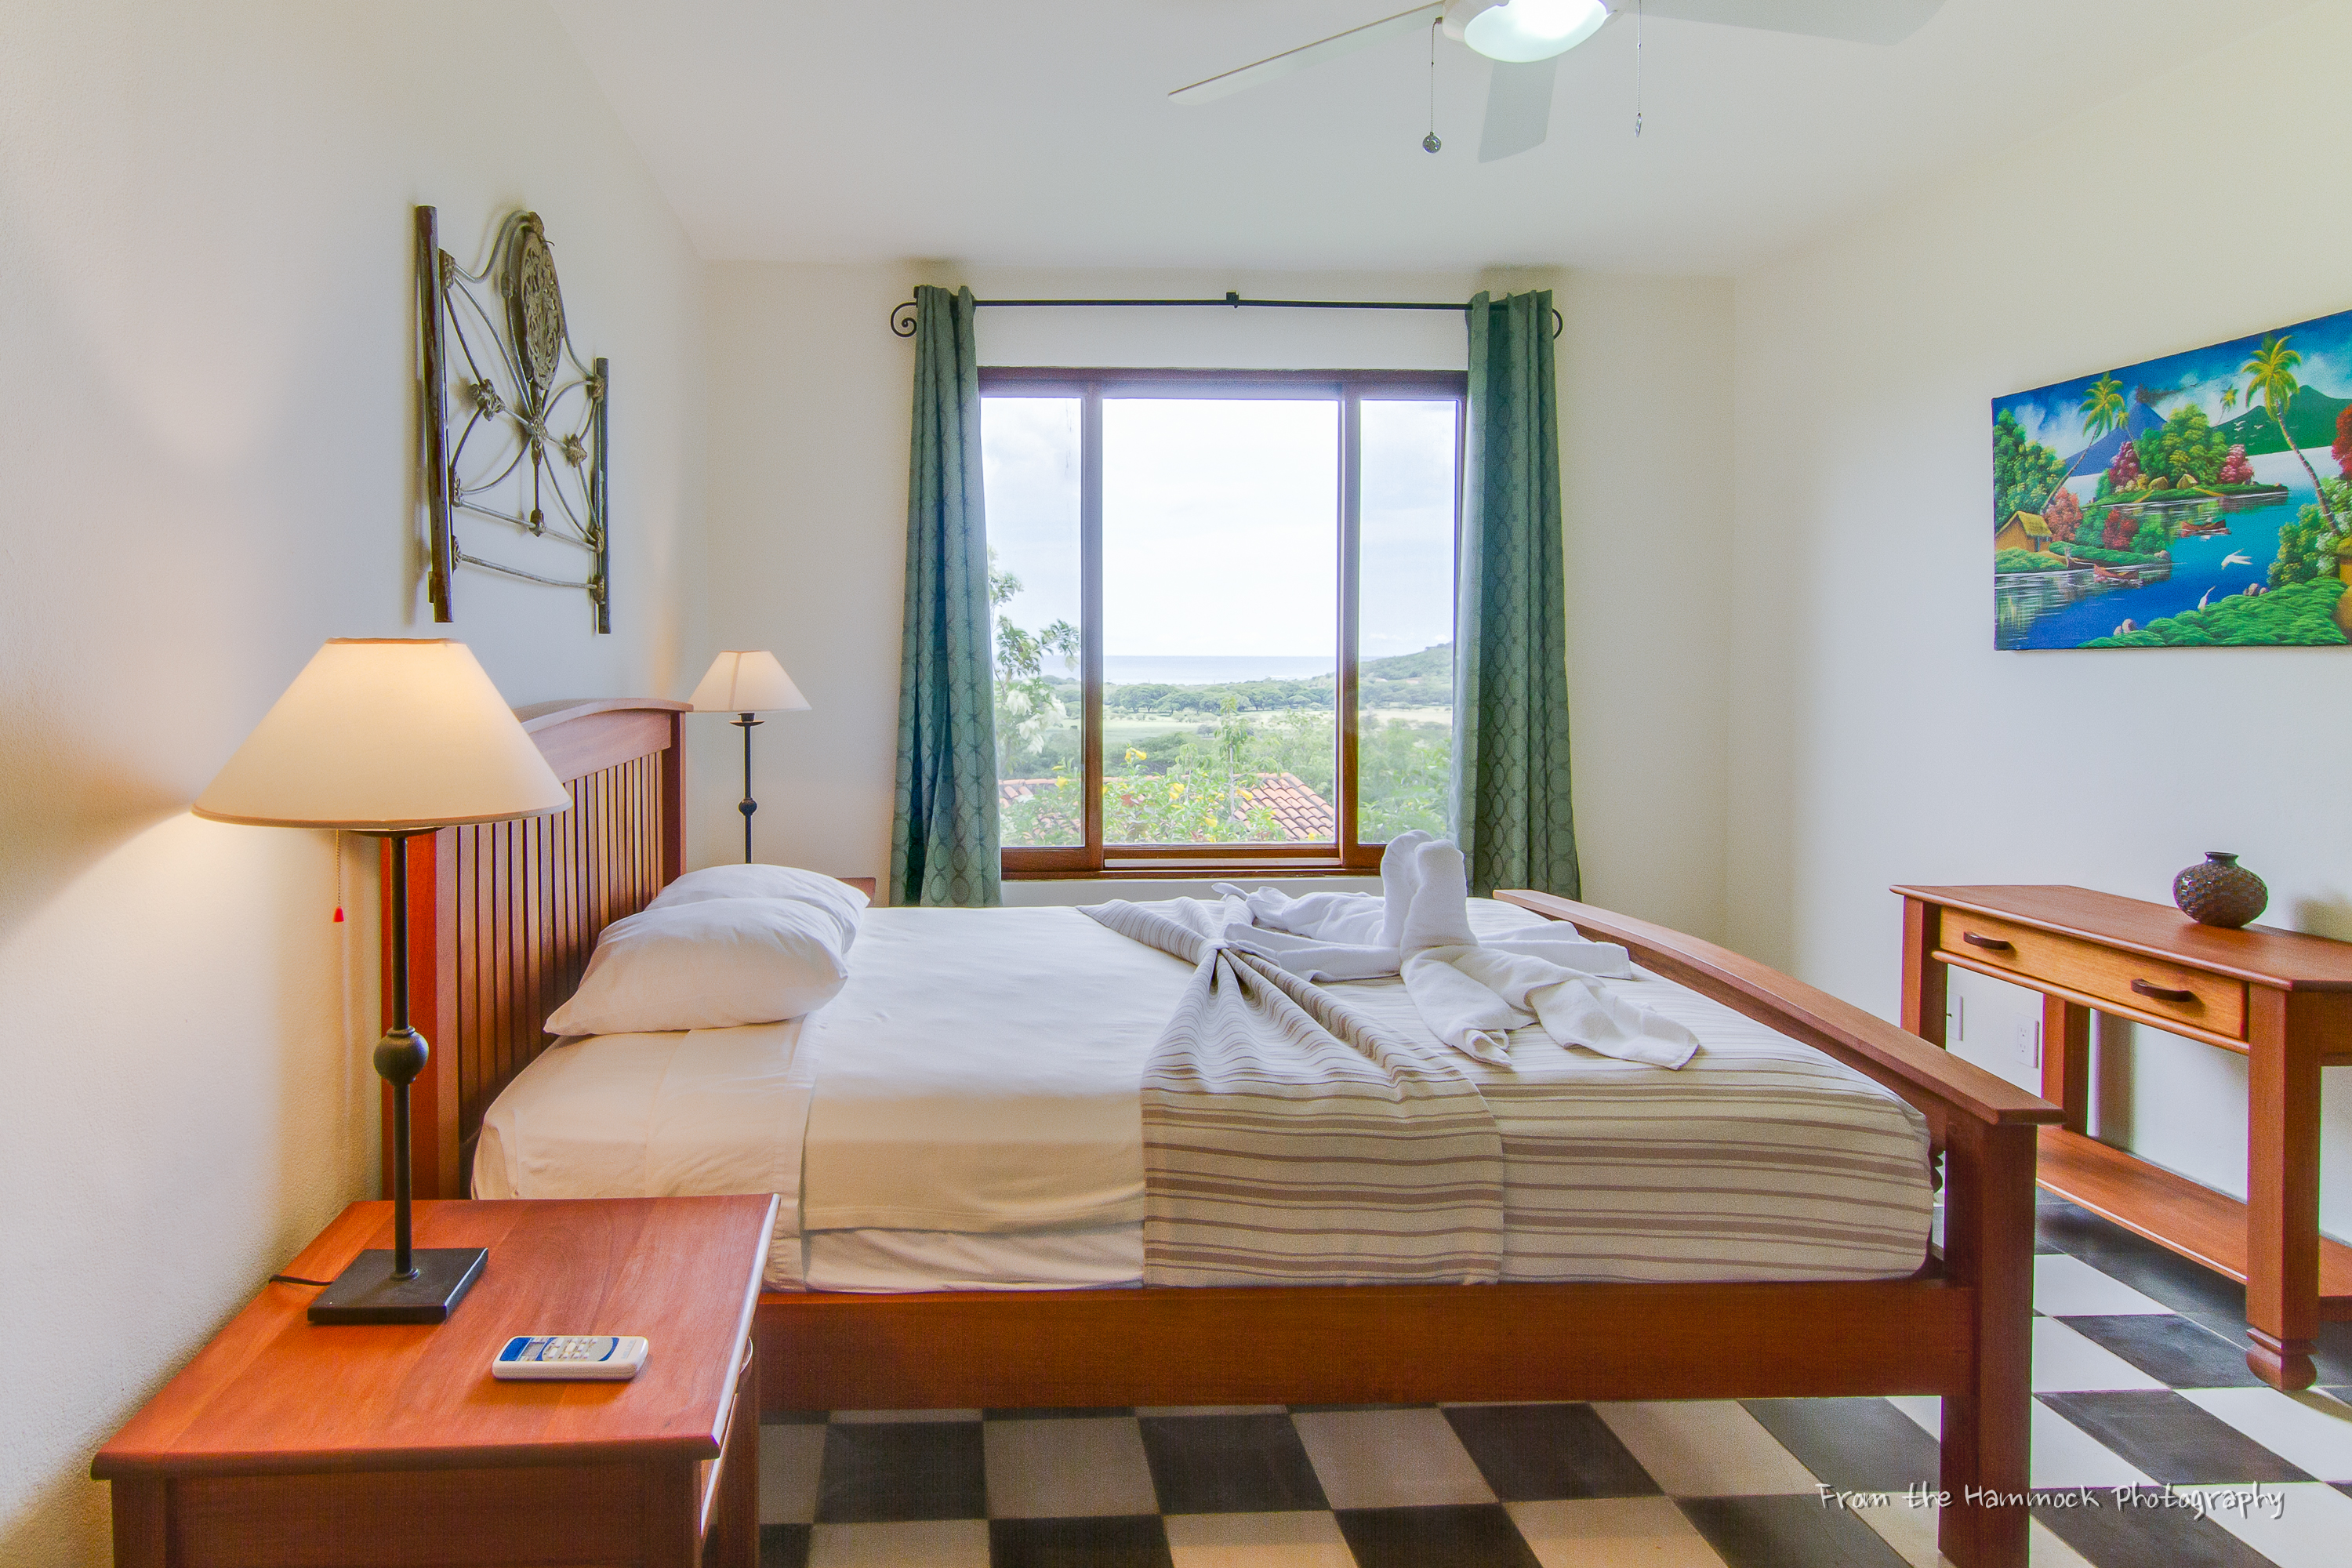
(902, 319)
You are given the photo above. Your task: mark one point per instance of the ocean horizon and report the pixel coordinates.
(1206, 669)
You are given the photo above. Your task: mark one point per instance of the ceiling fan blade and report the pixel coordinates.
(1306, 55)
(1857, 21)
(1518, 108)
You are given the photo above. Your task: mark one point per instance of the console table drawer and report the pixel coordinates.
(2145, 985)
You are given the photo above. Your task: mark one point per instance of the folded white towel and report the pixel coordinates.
(1312, 960)
(1574, 1008)
(1469, 1017)
(1471, 994)
(1355, 918)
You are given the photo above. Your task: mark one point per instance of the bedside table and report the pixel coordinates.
(289, 1443)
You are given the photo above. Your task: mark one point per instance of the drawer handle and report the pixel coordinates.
(2162, 993)
(1990, 943)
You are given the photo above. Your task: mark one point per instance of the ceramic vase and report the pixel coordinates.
(2221, 892)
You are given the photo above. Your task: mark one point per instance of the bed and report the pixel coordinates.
(503, 918)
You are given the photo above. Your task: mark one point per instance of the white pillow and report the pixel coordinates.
(836, 897)
(709, 964)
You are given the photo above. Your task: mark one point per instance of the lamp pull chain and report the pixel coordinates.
(1429, 143)
(338, 875)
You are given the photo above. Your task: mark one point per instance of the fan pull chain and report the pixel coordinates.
(1429, 143)
(338, 875)
(1639, 14)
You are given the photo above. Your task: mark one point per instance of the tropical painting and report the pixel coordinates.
(2197, 500)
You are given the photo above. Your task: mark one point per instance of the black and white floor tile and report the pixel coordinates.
(2152, 1444)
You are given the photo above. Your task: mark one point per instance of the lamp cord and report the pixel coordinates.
(296, 1279)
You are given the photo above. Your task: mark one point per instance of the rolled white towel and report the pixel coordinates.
(1400, 879)
(1440, 912)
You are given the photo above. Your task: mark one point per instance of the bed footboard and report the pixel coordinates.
(1984, 1128)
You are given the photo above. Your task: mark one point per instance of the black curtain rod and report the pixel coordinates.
(902, 319)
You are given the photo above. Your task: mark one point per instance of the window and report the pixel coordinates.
(1224, 614)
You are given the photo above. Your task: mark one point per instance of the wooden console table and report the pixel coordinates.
(2279, 999)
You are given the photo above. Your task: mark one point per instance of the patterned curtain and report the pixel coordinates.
(1510, 797)
(943, 836)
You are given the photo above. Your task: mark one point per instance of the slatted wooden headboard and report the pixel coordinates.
(502, 917)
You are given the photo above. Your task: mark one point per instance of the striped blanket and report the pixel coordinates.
(1289, 1140)
(1296, 1135)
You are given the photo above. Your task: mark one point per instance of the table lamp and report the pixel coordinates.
(394, 738)
(743, 683)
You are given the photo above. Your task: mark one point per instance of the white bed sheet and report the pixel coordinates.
(694, 1114)
(952, 1095)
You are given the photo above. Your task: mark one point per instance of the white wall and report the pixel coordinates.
(1876, 735)
(206, 466)
(810, 397)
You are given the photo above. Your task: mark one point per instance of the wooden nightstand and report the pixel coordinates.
(284, 1443)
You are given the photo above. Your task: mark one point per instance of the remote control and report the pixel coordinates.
(602, 1357)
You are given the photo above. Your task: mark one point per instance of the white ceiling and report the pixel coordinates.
(1041, 134)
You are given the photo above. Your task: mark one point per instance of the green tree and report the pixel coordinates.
(2272, 366)
(1027, 707)
(2185, 448)
(2103, 409)
(2024, 471)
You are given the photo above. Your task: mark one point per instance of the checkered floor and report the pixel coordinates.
(2150, 1440)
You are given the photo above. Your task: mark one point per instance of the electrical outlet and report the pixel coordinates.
(2029, 1042)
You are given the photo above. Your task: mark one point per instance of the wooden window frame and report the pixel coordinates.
(1350, 389)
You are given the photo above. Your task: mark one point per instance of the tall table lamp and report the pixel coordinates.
(396, 738)
(743, 683)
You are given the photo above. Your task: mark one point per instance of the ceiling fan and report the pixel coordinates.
(1524, 38)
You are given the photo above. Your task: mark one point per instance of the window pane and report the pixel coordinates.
(1029, 452)
(1220, 620)
(1404, 647)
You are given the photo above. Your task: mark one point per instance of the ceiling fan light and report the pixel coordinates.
(1526, 30)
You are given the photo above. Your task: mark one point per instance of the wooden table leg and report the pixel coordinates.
(142, 1521)
(2067, 1060)
(734, 1540)
(1923, 979)
(2282, 1193)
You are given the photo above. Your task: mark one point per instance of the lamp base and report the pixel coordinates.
(367, 1293)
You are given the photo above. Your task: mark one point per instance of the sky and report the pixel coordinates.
(1221, 522)
(2053, 415)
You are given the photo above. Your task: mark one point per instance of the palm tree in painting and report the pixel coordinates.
(2103, 408)
(2229, 397)
(2272, 368)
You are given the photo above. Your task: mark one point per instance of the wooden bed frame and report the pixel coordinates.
(503, 918)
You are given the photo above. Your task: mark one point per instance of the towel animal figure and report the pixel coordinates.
(1470, 993)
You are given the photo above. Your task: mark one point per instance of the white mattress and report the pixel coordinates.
(965, 1114)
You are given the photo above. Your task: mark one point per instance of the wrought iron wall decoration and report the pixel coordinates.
(513, 422)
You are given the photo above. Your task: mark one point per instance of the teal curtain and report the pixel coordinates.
(1510, 796)
(943, 834)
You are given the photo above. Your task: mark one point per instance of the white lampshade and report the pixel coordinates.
(743, 682)
(1526, 30)
(386, 734)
